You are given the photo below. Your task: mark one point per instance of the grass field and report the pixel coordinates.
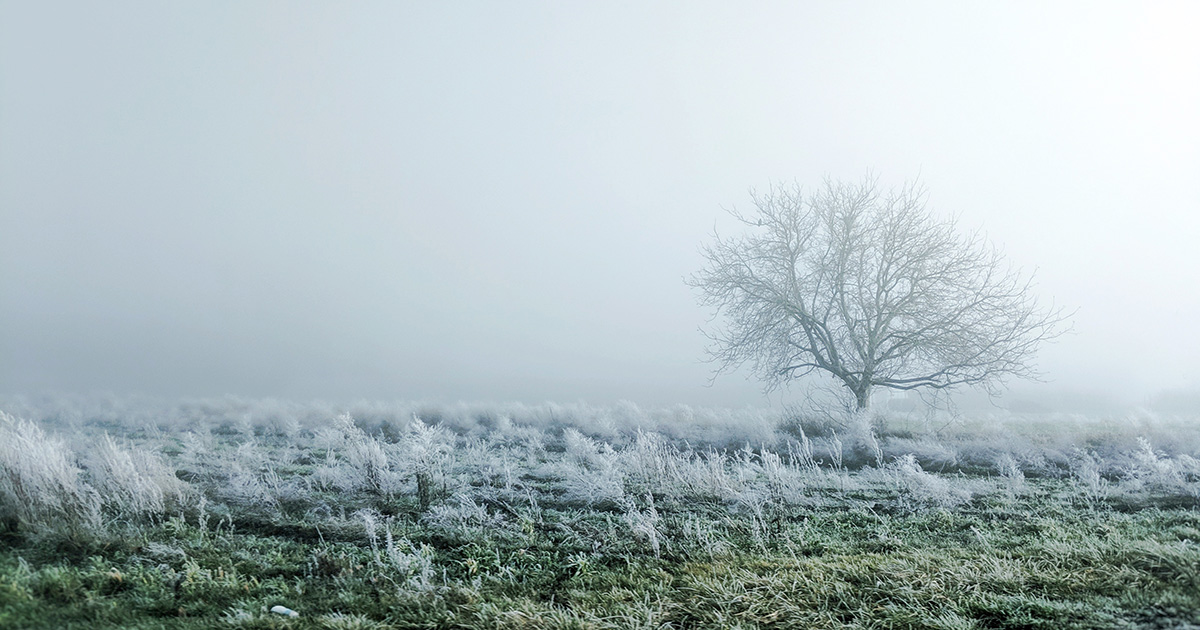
(208, 514)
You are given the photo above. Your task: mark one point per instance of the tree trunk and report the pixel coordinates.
(862, 396)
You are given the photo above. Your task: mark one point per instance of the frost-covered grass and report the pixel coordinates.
(207, 514)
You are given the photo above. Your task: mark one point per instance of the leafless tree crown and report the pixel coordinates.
(871, 288)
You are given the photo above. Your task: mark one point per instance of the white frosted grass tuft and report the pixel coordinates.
(1085, 472)
(410, 566)
(462, 513)
(1010, 471)
(41, 488)
(1154, 470)
(133, 482)
(252, 480)
(924, 488)
(365, 456)
(590, 472)
(644, 524)
(425, 453)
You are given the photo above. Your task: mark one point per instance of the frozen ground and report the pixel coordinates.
(127, 513)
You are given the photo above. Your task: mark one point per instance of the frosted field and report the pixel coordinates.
(125, 513)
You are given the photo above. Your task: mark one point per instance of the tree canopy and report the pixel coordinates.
(870, 287)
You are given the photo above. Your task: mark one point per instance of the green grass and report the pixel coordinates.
(981, 526)
(1041, 559)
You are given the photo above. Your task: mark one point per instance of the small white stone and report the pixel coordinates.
(283, 610)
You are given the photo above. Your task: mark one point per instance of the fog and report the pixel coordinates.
(500, 201)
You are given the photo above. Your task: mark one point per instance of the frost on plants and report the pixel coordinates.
(591, 473)
(644, 524)
(923, 487)
(386, 519)
(133, 482)
(365, 456)
(1010, 471)
(1085, 471)
(425, 450)
(41, 488)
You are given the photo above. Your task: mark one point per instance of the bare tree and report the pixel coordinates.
(871, 288)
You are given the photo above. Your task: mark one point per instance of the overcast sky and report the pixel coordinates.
(500, 200)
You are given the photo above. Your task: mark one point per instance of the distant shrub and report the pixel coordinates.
(282, 425)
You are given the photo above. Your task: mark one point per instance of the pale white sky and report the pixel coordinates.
(500, 200)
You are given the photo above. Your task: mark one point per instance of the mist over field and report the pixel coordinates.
(476, 202)
(384, 315)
